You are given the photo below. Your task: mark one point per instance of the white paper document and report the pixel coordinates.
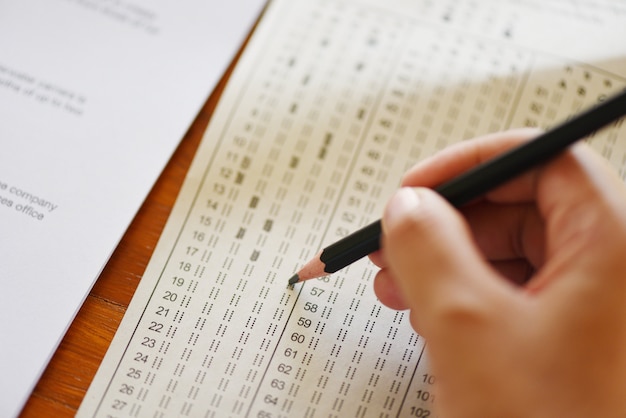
(94, 97)
(331, 102)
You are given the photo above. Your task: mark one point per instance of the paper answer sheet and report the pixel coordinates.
(94, 97)
(332, 101)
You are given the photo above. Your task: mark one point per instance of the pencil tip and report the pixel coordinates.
(294, 279)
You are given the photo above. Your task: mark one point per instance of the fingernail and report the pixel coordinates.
(401, 204)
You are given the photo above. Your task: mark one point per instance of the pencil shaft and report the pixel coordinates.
(353, 247)
(487, 176)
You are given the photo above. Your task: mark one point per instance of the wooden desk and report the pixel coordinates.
(65, 381)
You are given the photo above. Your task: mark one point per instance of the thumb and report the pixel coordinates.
(436, 264)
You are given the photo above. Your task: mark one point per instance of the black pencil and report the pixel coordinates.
(473, 183)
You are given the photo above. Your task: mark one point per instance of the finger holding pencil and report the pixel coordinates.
(473, 183)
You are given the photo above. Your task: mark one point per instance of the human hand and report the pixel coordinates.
(521, 295)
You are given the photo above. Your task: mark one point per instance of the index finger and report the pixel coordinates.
(465, 155)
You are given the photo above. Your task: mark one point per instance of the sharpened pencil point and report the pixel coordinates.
(294, 279)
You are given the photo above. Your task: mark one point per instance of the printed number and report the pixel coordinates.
(425, 396)
(312, 307)
(392, 107)
(171, 296)
(118, 404)
(134, 373)
(290, 352)
(379, 138)
(284, 368)
(342, 232)
(127, 389)
(162, 310)
(373, 154)
(367, 170)
(226, 172)
(240, 141)
(316, 291)
(354, 201)
(531, 123)
(155, 326)
(420, 412)
(219, 188)
(361, 186)
(298, 338)
(278, 384)
(348, 217)
(148, 342)
(428, 378)
(263, 414)
(141, 357)
(198, 236)
(304, 322)
(271, 399)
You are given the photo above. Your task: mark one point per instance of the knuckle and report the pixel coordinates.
(460, 308)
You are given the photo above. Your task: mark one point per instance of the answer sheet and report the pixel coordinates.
(331, 102)
(94, 97)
